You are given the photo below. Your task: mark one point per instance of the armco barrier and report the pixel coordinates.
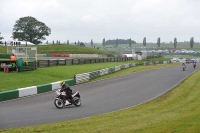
(80, 78)
(21, 92)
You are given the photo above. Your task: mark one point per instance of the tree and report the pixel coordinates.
(130, 42)
(30, 29)
(144, 42)
(175, 42)
(92, 43)
(1, 38)
(120, 41)
(117, 42)
(191, 42)
(158, 42)
(103, 42)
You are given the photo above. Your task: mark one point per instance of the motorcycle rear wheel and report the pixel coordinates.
(77, 101)
(58, 103)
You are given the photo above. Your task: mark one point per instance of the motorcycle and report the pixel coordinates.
(194, 65)
(60, 99)
(183, 68)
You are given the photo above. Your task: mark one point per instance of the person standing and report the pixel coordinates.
(13, 57)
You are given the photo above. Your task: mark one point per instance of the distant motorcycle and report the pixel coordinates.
(194, 65)
(183, 68)
(60, 99)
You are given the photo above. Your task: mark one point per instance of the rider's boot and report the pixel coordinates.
(67, 102)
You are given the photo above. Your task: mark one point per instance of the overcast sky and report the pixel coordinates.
(84, 20)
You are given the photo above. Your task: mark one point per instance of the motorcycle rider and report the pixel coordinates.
(183, 65)
(194, 64)
(65, 87)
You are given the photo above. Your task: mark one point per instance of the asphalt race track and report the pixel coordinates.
(97, 97)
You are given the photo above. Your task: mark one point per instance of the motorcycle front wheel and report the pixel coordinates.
(77, 101)
(59, 103)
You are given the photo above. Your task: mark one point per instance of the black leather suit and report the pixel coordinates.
(67, 90)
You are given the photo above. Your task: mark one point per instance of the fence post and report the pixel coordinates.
(38, 63)
(65, 61)
(48, 63)
(34, 65)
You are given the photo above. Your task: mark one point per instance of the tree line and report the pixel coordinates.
(119, 41)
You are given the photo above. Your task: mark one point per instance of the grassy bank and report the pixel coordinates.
(176, 111)
(68, 49)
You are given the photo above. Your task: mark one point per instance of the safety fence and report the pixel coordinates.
(76, 61)
(80, 78)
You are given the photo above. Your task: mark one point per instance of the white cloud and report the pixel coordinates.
(86, 18)
(97, 19)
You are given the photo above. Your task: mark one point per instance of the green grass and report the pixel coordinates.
(45, 75)
(178, 111)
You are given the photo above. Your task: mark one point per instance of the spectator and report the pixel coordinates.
(5, 43)
(13, 57)
(11, 43)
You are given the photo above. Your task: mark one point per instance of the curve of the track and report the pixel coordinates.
(97, 97)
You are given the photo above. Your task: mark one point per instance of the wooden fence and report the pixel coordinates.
(57, 62)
